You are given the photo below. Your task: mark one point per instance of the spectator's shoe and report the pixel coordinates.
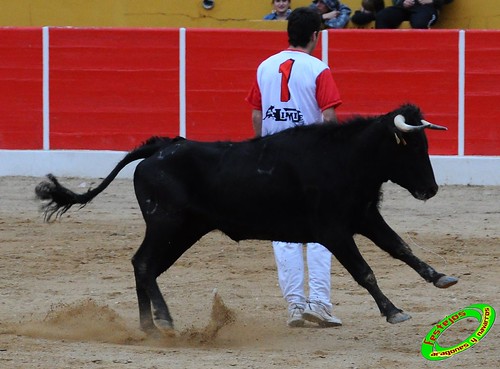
(295, 316)
(318, 313)
(208, 4)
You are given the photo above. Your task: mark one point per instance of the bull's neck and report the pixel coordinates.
(372, 156)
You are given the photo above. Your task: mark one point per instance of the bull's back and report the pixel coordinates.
(247, 189)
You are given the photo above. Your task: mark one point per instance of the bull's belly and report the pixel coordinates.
(272, 232)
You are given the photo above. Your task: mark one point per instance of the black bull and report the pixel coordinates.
(319, 183)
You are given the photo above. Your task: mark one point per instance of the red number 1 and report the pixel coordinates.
(285, 70)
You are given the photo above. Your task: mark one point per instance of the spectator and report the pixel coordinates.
(294, 88)
(281, 10)
(422, 14)
(367, 12)
(333, 13)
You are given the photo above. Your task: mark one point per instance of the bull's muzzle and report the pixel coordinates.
(425, 194)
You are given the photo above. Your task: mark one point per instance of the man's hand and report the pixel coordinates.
(331, 15)
(329, 115)
(257, 122)
(409, 3)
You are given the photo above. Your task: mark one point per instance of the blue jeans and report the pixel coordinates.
(420, 16)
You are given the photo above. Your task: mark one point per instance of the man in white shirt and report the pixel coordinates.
(295, 88)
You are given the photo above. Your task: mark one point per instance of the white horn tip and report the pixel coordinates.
(433, 126)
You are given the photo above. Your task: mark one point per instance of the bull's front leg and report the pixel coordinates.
(346, 251)
(377, 230)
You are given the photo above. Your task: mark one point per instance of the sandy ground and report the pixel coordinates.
(67, 295)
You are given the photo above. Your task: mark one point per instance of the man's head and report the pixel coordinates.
(303, 25)
(325, 6)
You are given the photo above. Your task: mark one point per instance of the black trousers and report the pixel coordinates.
(421, 16)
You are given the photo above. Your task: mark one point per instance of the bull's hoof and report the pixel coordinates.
(398, 318)
(166, 327)
(445, 282)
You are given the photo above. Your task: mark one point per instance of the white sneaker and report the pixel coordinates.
(295, 316)
(318, 313)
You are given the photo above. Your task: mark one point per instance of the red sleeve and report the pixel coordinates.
(327, 93)
(254, 98)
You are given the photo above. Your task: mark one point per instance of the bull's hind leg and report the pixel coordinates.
(159, 250)
(146, 270)
(347, 253)
(377, 230)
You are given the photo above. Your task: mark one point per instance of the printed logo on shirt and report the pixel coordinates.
(285, 115)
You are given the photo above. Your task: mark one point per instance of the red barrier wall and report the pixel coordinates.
(417, 67)
(112, 88)
(21, 88)
(221, 67)
(482, 93)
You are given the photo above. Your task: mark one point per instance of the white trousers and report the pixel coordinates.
(291, 269)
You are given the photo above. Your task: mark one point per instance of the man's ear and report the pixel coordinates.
(315, 36)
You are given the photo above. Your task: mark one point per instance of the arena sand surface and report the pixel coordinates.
(67, 295)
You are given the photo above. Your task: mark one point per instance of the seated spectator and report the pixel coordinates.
(422, 14)
(333, 12)
(367, 12)
(281, 10)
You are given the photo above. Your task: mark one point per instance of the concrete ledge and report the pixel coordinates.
(64, 163)
(452, 170)
(467, 170)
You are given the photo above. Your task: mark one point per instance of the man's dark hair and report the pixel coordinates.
(302, 23)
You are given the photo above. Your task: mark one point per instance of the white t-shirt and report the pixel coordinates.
(292, 88)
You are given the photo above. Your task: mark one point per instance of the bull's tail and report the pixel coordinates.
(60, 199)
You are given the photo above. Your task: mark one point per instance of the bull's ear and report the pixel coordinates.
(399, 138)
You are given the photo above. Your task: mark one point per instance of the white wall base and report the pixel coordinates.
(466, 170)
(62, 163)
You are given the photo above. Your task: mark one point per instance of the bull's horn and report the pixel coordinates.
(400, 123)
(433, 126)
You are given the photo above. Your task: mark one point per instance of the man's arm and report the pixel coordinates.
(257, 122)
(338, 18)
(329, 115)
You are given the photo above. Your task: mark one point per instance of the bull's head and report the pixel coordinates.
(414, 170)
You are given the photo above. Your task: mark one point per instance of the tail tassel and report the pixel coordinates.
(59, 198)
